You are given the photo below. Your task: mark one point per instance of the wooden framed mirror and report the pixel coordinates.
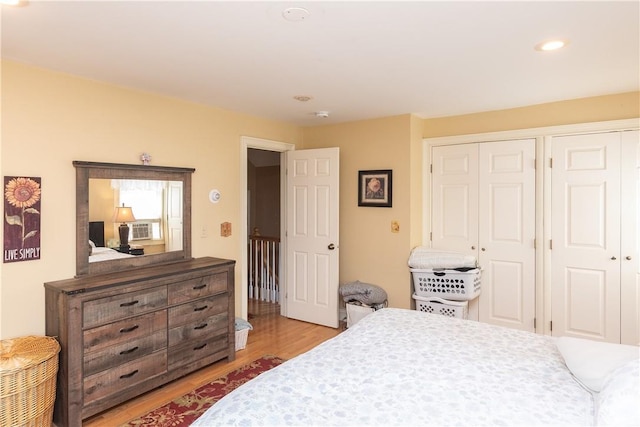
(172, 228)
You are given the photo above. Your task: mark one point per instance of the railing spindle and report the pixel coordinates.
(264, 265)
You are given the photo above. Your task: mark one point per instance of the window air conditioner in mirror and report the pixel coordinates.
(141, 231)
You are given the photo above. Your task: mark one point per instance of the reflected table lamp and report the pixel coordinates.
(123, 214)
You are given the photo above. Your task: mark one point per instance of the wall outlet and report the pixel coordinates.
(204, 232)
(395, 227)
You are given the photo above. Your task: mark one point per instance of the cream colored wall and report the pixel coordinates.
(369, 251)
(416, 189)
(582, 110)
(50, 119)
(101, 206)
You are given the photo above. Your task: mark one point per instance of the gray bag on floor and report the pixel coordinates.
(366, 293)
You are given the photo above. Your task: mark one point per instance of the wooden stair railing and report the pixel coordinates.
(264, 267)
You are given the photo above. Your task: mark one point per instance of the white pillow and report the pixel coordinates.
(619, 399)
(93, 245)
(591, 362)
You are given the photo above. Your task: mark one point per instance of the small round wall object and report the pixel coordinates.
(214, 196)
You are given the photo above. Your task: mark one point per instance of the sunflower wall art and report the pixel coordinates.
(374, 188)
(21, 218)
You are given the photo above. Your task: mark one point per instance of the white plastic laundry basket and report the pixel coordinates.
(435, 305)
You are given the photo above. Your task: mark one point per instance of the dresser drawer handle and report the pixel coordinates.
(204, 325)
(199, 287)
(200, 347)
(129, 304)
(204, 307)
(129, 375)
(125, 330)
(131, 350)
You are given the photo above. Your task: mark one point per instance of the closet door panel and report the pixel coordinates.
(585, 255)
(585, 301)
(455, 198)
(630, 256)
(507, 233)
(503, 293)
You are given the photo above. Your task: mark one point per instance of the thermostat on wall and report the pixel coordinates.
(214, 196)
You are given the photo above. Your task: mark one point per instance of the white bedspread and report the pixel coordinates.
(404, 367)
(106, 254)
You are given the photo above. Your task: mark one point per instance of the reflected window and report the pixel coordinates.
(156, 207)
(147, 206)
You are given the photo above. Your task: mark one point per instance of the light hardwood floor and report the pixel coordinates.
(271, 334)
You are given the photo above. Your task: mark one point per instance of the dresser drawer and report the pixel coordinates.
(189, 352)
(116, 355)
(124, 331)
(209, 327)
(107, 309)
(197, 310)
(199, 287)
(124, 376)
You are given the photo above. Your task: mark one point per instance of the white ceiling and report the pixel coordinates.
(357, 60)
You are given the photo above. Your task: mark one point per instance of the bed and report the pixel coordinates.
(96, 241)
(105, 254)
(404, 367)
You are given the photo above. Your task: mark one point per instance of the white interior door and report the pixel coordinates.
(507, 233)
(630, 255)
(585, 254)
(455, 198)
(484, 205)
(312, 245)
(174, 216)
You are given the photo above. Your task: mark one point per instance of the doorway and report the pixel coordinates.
(274, 148)
(263, 225)
(309, 209)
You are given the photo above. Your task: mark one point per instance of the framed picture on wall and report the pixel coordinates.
(374, 188)
(22, 197)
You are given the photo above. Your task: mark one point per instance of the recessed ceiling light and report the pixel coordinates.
(302, 98)
(322, 114)
(549, 45)
(13, 2)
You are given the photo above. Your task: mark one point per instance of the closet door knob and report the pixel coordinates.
(482, 249)
(473, 247)
(613, 258)
(628, 258)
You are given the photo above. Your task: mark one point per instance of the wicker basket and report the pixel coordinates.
(28, 370)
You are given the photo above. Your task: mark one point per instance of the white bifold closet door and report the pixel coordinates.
(483, 204)
(594, 251)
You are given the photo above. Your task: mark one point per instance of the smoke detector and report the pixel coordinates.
(295, 14)
(322, 114)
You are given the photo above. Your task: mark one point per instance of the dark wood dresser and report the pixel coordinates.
(125, 333)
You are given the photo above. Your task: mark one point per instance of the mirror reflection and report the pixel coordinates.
(134, 217)
(172, 239)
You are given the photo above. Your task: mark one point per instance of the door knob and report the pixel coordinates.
(331, 246)
(482, 249)
(473, 247)
(613, 258)
(627, 258)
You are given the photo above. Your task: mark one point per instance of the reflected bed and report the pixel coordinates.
(106, 254)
